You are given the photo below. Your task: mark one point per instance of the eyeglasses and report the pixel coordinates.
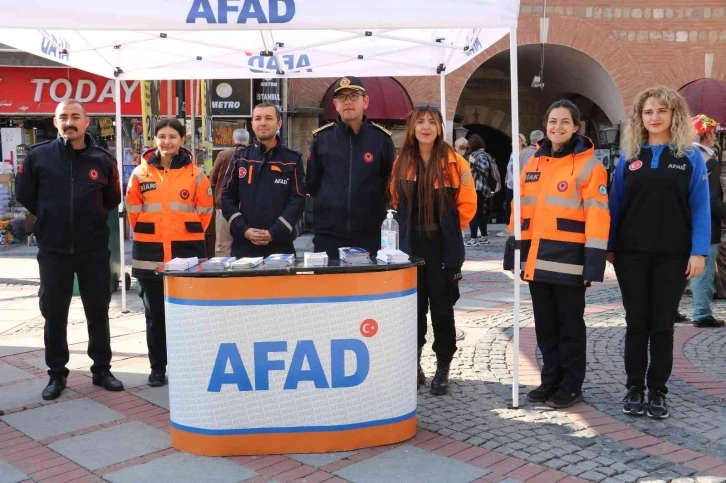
(353, 96)
(428, 107)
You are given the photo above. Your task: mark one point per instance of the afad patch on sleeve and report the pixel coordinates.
(466, 178)
(603, 190)
(209, 191)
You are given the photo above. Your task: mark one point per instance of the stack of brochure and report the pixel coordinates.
(218, 263)
(316, 259)
(280, 260)
(247, 262)
(179, 264)
(354, 255)
(392, 256)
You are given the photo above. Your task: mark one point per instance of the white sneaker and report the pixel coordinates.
(483, 240)
(504, 233)
(471, 242)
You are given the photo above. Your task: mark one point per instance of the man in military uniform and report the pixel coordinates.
(349, 164)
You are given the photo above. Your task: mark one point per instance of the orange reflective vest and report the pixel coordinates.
(565, 218)
(169, 210)
(460, 187)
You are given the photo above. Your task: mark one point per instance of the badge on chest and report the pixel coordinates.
(148, 186)
(532, 177)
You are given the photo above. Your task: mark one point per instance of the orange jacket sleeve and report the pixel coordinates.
(134, 198)
(466, 195)
(597, 223)
(203, 200)
(392, 186)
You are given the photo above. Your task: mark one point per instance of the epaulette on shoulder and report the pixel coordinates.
(381, 128)
(42, 143)
(315, 131)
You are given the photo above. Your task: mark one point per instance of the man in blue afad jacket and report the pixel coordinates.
(71, 185)
(263, 192)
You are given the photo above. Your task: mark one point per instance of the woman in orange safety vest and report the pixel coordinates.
(169, 203)
(433, 191)
(565, 225)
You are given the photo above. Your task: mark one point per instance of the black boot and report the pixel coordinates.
(107, 381)
(440, 383)
(55, 386)
(421, 378)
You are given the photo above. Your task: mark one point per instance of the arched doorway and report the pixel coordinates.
(499, 145)
(484, 103)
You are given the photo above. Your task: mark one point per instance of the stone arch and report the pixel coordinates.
(492, 117)
(594, 41)
(691, 67)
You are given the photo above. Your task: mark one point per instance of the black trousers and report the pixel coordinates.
(251, 250)
(479, 222)
(151, 291)
(438, 291)
(651, 285)
(330, 244)
(559, 323)
(56, 290)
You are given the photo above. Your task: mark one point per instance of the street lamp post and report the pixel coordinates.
(611, 136)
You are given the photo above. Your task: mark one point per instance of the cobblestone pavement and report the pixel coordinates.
(473, 434)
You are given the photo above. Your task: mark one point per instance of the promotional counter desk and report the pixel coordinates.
(293, 360)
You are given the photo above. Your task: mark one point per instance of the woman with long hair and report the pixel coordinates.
(659, 238)
(170, 205)
(433, 191)
(565, 224)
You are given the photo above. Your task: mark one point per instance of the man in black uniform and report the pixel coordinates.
(349, 165)
(263, 192)
(71, 185)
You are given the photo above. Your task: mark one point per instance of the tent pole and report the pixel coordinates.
(442, 78)
(192, 111)
(121, 218)
(517, 208)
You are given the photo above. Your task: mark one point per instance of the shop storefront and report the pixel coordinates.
(29, 96)
(231, 110)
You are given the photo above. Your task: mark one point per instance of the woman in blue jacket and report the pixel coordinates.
(659, 236)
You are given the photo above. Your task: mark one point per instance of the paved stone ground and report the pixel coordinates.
(474, 434)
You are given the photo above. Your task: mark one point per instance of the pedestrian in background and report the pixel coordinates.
(71, 185)
(659, 237)
(170, 205)
(432, 189)
(704, 285)
(565, 223)
(509, 185)
(480, 163)
(223, 243)
(461, 146)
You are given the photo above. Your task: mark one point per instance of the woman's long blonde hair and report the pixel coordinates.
(682, 132)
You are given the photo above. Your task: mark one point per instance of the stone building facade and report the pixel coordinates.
(602, 53)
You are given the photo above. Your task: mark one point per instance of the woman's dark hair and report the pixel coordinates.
(476, 142)
(172, 123)
(570, 106)
(429, 175)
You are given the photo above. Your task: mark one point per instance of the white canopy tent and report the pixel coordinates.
(223, 39)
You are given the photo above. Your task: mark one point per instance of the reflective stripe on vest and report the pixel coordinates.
(145, 208)
(567, 268)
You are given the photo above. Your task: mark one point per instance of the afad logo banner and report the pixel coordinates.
(305, 365)
(241, 12)
(53, 46)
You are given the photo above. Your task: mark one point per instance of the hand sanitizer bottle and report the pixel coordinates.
(389, 232)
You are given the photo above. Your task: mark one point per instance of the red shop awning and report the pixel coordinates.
(389, 100)
(707, 96)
